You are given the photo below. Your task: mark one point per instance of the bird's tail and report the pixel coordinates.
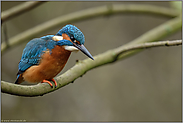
(19, 79)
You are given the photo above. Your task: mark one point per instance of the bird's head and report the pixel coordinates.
(74, 39)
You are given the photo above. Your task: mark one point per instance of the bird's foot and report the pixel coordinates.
(46, 81)
(54, 82)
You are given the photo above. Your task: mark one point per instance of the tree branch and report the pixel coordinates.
(78, 70)
(86, 14)
(147, 45)
(107, 57)
(155, 34)
(152, 44)
(17, 10)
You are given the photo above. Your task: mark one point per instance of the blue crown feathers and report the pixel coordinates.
(72, 30)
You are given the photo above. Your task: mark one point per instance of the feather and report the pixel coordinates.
(34, 50)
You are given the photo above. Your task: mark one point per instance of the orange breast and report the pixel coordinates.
(49, 67)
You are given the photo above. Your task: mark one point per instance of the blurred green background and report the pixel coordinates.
(143, 87)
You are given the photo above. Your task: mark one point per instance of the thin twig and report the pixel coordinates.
(17, 10)
(153, 35)
(86, 14)
(148, 45)
(153, 44)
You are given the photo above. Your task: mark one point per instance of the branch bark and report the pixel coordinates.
(17, 10)
(78, 70)
(86, 14)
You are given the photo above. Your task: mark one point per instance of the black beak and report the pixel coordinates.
(84, 50)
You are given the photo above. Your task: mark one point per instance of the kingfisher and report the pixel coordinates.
(43, 58)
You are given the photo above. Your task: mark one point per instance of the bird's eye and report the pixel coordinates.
(72, 38)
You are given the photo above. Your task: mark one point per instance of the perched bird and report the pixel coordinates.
(43, 58)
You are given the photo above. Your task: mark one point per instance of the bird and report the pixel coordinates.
(43, 58)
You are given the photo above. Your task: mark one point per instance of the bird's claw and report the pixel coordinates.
(54, 82)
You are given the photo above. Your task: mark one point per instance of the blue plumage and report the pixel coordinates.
(33, 51)
(74, 31)
(35, 48)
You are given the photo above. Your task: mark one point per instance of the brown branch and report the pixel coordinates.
(17, 10)
(86, 14)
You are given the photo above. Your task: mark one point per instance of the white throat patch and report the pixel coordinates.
(71, 48)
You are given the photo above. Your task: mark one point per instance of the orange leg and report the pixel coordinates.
(47, 82)
(54, 82)
(50, 82)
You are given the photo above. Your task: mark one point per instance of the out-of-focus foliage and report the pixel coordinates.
(177, 5)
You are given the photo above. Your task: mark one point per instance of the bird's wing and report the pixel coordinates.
(33, 51)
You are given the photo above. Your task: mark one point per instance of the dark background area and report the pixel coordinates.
(143, 87)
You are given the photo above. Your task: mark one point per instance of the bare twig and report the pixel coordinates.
(153, 35)
(147, 45)
(17, 10)
(86, 14)
(152, 44)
